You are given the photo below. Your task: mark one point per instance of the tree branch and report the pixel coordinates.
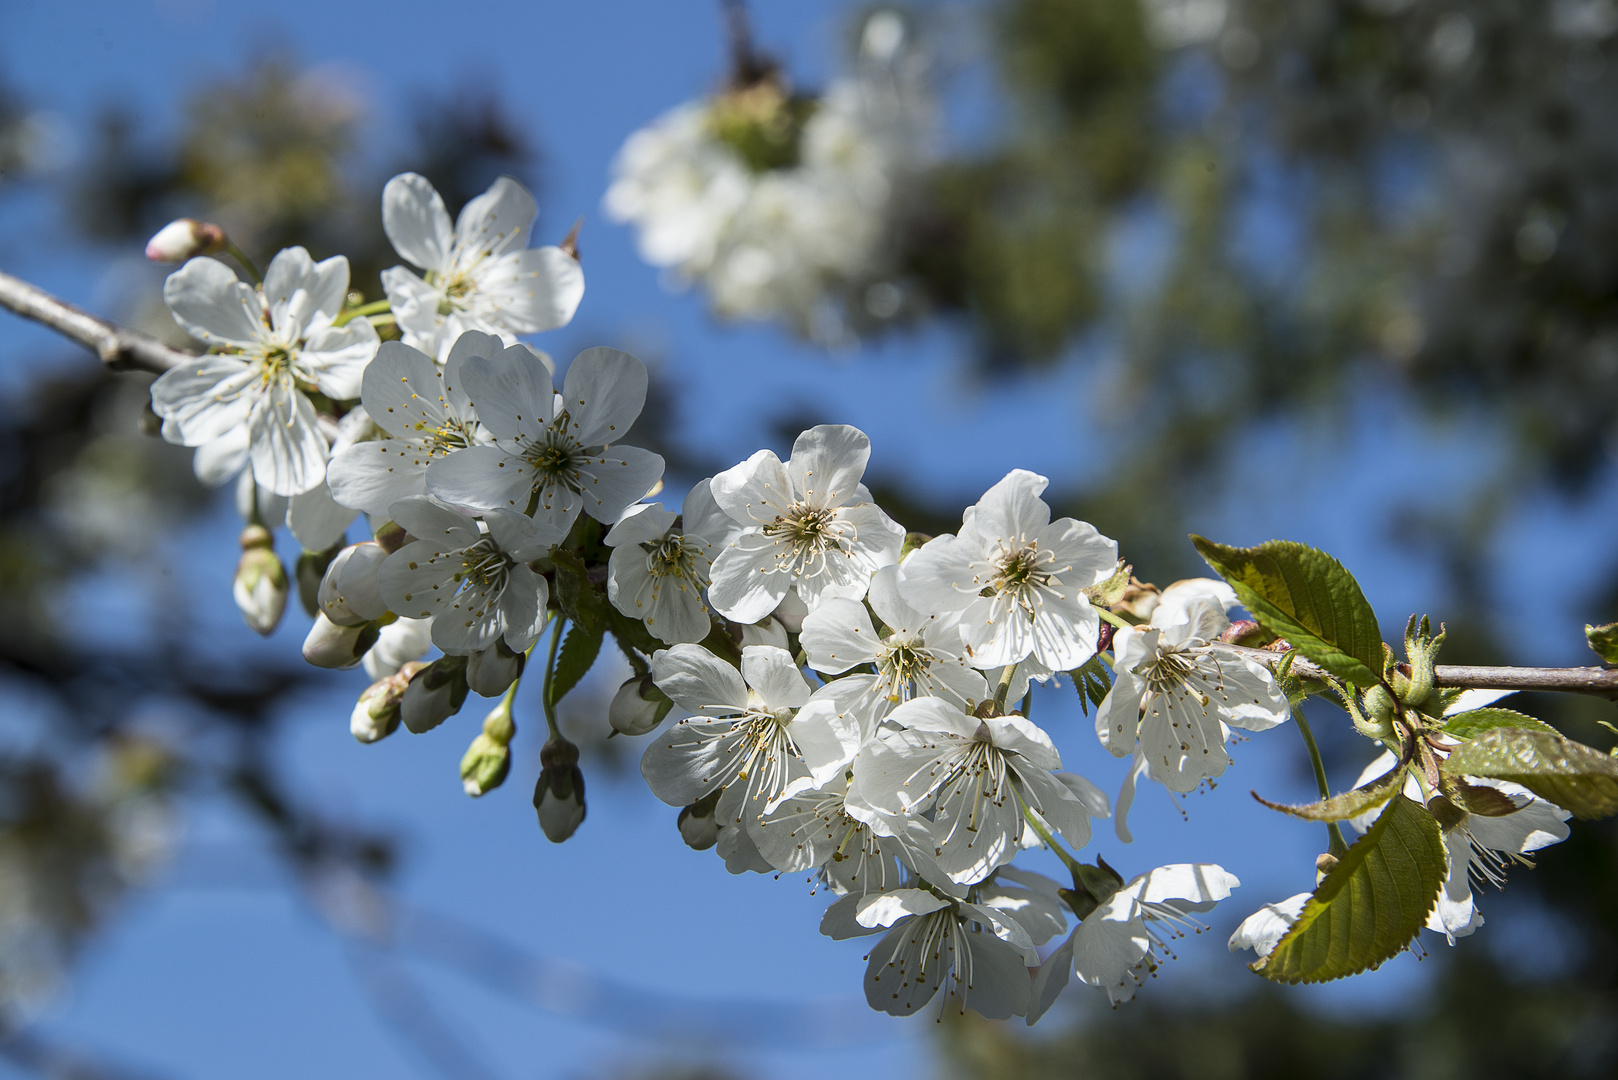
(120, 348)
(1602, 682)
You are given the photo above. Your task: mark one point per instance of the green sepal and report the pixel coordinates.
(1574, 776)
(1370, 904)
(1306, 596)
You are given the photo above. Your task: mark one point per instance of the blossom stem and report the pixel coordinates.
(1044, 834)
(1027, 703)
(550, 673)
(1113, 617)
(1338, 845)
(375, 307)
(1001, 691)
(1570, 680)
(247, 264)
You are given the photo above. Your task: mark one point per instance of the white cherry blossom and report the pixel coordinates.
(1263, 930)
(918, 655)
(1176, 689)
(274, 344)
(551, 455)
(1115, 947)
(976, 954)
(658, 569)
(972, 776)
(422, 412)
(482, 275)
(476, 586)
(1016, 577)
(747, 736)
(807, 524)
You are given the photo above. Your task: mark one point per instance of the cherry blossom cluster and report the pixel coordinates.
(783, 206)
(852, 698)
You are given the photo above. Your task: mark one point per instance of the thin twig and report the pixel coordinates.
(1602, 682)
(120, 348)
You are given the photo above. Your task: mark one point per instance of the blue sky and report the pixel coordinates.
(221, 969)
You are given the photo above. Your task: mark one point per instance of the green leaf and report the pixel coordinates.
(1092, 680)
(1348, 804)
(1573, 776)
(575, 595)
(1305, 596)
(1474, 722)
(1604, 640)
(578, 652)
(1370, 905)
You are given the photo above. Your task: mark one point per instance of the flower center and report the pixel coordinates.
(809, 535)
(484, 566)
(902, 662)
(672, 557)
(556, 459)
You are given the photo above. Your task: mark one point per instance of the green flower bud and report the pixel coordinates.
(699, 826)
(436, 693)
(490, 671)
(638, 706)
(261, 586)
(310, 569)
(559, 795)
(331, 646)
(485, 765)
(376, 713)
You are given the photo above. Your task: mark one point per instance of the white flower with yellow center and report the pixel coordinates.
(274, 345)
(748, 735)
(1016, 577)
(661, 561)
(480, 275)
(474, 585)
(551, 456)
(807, 525)
(1178, 692)
(915, 655)
(969, 780)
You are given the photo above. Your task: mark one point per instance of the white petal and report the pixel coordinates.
(698, 681)
(316, 519)
(495, 222)
(827, 462)
(286, 445)
(615, 478)
(425, 519)
(775, 676)
(416, 222)
(837, 635)
(482, 478)
(512, 393)
(214, 305)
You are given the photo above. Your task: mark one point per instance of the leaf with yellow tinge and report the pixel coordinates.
(1575, 777)
(1347, 805)
(1370, 905)
(1307, 597)
(1604, 641)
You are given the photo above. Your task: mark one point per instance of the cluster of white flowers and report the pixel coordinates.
(785, 207)
(869, 741)
(848, 692)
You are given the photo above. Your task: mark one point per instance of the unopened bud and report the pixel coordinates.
(376, 713)
(699, 825)
(310, 569)
(485, 766)
(391, 536)
(490, 671)
(183, 239)
(349, 593)
(559, 795)
(436, 693)
(261, 586)
(638, 706)
(1325, 862)
(331, 646)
